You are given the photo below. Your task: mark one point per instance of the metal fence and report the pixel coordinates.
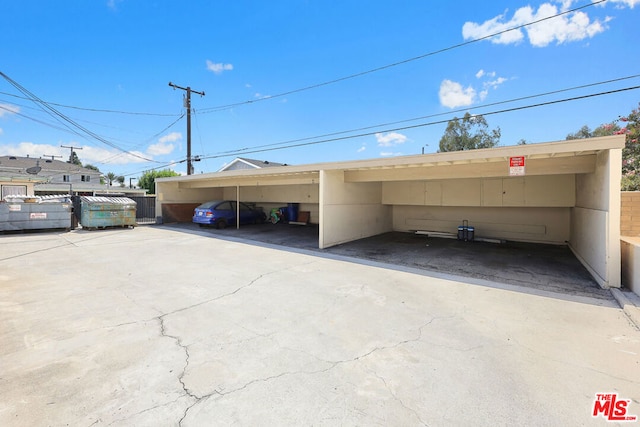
(145, 209)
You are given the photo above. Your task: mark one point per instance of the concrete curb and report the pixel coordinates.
(630, 309)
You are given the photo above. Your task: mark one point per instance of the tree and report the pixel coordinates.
(468, 133)
(630, 152)
(148, 179)
(111, 177)
(74, 159)
(120, 180)
(602, 130)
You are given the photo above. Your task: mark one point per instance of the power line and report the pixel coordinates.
(421, 124)
(66, 121)
(395, 64)
(241, 150)
(261, 150)
(96, 110)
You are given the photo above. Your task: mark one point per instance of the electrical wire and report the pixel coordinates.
(97, 110)
(275, 144)
(67, 121)
(323, 141)
(395, 64)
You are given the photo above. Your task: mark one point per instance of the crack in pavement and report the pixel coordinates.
(332, 365)
(140, 412)
(178, 341)
(395, 397)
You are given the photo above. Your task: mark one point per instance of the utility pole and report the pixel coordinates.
(52, 156)
(188, 107)
(71, 155)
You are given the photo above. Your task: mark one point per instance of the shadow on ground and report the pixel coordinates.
(543, 267)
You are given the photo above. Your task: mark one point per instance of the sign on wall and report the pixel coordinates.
(516, 166)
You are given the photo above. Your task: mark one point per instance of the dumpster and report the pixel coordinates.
(19, 213)
(105, 212)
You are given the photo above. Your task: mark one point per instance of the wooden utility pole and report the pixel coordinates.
(71, 155)
(188, 107)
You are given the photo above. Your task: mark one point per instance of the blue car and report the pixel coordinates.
(221, 213)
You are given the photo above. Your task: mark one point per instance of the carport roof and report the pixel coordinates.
(551, 158)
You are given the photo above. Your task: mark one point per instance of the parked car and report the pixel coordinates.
(221, 213)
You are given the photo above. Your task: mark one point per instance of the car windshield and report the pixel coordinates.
(208, 205)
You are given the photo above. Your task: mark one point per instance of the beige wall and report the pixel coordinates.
(630, 256)
(530, 191)
(171, 193)
(350, 211)
(595, 220)
(276, 196)
(529, 208)
(542, 225)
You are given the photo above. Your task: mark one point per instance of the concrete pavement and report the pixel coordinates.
(155, 326)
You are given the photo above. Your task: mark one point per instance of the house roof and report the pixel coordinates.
(19, 165)
(255, 164)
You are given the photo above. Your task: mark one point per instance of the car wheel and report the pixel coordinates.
(221, 224)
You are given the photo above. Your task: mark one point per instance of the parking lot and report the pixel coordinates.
(536, 266)
(177, 325)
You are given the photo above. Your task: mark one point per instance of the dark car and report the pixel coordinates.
(223, 212)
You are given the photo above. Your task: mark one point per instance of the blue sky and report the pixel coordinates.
(263, 67)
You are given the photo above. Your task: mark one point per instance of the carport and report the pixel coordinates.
(564, 192)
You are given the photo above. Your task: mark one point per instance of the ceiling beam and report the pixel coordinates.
(547, 166)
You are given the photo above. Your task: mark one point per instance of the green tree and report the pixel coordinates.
(148, 179)
(111, 177)
(95, 168)
(468, 133)
(120, 180)
(74, 159)
(602, 130)
(631, 151)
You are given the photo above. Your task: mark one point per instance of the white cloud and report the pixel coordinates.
(160, 149)
(1, 131)
(390, 139)
(30, 149)
(360, 150)
(8, 109)
(218, 67)
(620, 4)
(96, 155)
(493, 84)
(171, 137)
(88, 154)
(561, 29)
(453, 95)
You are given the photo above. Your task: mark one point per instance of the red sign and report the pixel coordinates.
(516, 165)
(516, 161)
